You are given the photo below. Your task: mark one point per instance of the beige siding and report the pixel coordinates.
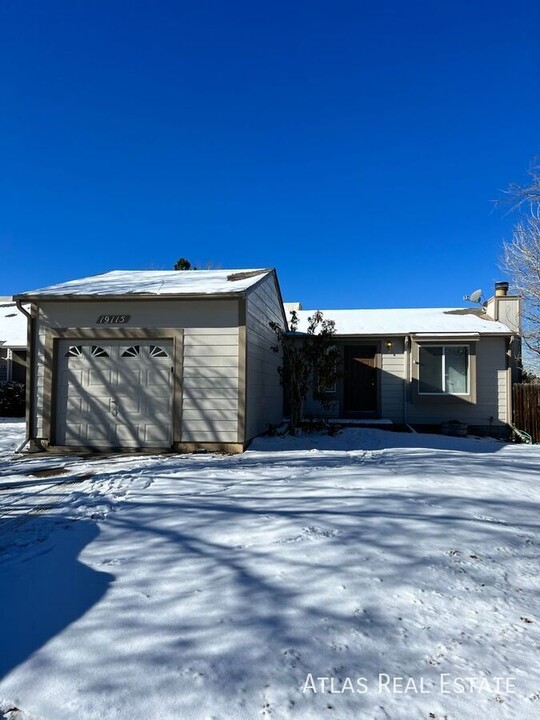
(210, 389)
(210, 382)
(264, 402)
(39, 376)
(392, 376)
(207, 313)
(491, 392)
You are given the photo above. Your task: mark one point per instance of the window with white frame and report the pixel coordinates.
(5, 364)
(443, 370)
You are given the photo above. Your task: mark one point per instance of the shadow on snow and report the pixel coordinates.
(45, 587)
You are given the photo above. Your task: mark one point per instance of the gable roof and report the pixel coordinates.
(12, 326)
(405, 321)
(154, 282)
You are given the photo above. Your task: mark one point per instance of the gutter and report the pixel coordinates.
(95, 297)
(29, 375)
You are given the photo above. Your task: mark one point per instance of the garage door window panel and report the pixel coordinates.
(74, 351)
(133, 351)
(98, 351)
(156, 351)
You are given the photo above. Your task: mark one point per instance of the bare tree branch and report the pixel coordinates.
(311, 361)
(521, 258)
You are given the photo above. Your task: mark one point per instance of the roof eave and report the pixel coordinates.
(450, 334)
(130, 296)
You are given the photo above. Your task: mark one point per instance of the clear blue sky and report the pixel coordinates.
(355, 146)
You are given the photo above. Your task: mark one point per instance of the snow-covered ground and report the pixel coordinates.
(187, 587)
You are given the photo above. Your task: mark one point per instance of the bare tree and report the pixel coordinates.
(311, 361)
(522, 254)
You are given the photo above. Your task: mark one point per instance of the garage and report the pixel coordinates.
(114, 394)
(137, 359)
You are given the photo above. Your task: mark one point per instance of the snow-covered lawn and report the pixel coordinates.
(187, 587)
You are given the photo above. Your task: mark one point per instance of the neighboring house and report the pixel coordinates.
(155, 359)
(425, 366)
(13, 340)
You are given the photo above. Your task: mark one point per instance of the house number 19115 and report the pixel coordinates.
(113, 319)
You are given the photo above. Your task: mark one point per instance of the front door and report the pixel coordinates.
(360, 379)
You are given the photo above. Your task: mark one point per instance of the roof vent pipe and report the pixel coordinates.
(501, 289)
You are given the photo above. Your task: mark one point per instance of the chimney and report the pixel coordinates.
(505, 308)
(501, 289)
(290, 306)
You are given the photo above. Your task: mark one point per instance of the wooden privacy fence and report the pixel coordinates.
(527, 409)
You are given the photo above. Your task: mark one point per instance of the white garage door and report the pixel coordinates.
(114, 394)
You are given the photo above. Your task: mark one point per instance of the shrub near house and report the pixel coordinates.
(12, 399)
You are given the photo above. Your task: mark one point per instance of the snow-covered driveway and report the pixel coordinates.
(187, 587)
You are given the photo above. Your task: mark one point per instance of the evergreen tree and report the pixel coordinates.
(183, 264)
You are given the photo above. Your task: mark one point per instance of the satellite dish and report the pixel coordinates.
(475, 297)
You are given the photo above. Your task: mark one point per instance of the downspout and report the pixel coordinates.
(29, 375)
(406, 380)
(510, 382)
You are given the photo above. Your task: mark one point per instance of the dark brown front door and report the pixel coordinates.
(360, 381)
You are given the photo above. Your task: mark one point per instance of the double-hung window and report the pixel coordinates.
(444, 370)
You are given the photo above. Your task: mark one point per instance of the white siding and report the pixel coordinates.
(210, 382)
(264, 392)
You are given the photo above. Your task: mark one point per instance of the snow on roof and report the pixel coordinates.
(402, 321)
(156, 282)
(12, 326)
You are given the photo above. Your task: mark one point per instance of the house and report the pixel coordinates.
(183, 360)
(13, 340)
(426, 366)
(154, 359)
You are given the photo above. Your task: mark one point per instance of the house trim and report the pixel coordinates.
(242, 370)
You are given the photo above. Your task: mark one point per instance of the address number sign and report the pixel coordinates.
(113, 319)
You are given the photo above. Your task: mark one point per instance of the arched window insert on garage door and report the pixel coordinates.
(153, 351)
(74, 351)
(156, 351)
(98, 351)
